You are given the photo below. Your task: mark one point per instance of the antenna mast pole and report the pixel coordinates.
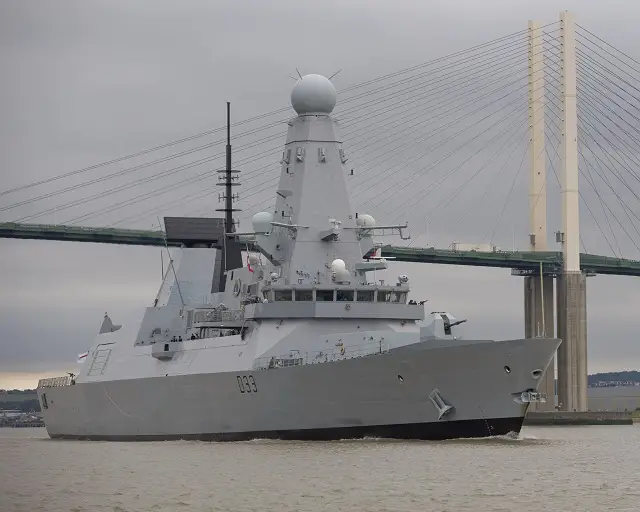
(228, 193)
(228, 179)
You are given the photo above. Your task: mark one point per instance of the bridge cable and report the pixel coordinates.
(406, 202)
(135, 168)
(445, 157)
(602, 232)
(262, 116)
(147, 179)
(588, 101)
(245, 189)
(602, 201)
(183, 167)
(474, 207)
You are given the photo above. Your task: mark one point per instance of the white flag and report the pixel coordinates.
(82, 357)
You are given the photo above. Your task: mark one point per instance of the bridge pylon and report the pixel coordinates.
(538, 290)
(572, 291)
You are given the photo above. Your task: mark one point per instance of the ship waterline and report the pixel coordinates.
(379, 395)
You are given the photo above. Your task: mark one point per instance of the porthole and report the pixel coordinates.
(536, 374)
(507, 369)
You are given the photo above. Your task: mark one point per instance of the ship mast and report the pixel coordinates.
(228, 180)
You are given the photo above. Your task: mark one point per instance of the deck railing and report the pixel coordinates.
(55, 382)
(342, 352)
(216, 315)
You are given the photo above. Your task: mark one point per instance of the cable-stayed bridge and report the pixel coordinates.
(457, 140)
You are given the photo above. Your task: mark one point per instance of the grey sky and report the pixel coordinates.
(85, 82)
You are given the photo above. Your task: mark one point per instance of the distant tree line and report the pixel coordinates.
(627, 376)
(23, 400)
(29, 405)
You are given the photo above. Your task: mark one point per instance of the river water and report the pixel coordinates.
(548, 468)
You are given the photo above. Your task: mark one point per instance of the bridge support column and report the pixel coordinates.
(572, 329)
(538, 293)
(572, 298)
(539, 322)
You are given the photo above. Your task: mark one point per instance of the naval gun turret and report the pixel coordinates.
(441, 326)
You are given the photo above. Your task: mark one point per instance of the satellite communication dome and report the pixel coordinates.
(313, 94)
(366, 221)
(261, 222)
(338, 265)
(341, 275)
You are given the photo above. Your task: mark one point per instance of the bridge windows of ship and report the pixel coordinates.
(283, 295)
(335, 295)
(325, 295)
(365, 295)
(392, 296)
(344, 295)
(304, 295)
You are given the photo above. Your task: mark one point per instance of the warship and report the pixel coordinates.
(300, 342)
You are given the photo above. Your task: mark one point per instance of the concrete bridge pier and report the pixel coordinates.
(572, 353)
(539, 322)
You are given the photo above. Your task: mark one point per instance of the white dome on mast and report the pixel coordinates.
(313, 94)
(261, 222)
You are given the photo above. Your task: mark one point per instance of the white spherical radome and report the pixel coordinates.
(261, 222)
(341, 275)
(313, 94)
(337, 264)
(365, 220)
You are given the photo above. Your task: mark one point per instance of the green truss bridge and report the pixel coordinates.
(521, 262)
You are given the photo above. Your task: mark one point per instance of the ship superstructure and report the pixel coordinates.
(304, 342)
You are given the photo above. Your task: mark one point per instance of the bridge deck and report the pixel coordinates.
(522, 262)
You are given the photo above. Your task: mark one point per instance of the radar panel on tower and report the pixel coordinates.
(194, 230)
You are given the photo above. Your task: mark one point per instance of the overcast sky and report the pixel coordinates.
(88, 81)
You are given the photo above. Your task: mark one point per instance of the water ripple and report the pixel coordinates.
(548, 468)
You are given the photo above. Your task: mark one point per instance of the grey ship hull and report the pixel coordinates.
(384, 395)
